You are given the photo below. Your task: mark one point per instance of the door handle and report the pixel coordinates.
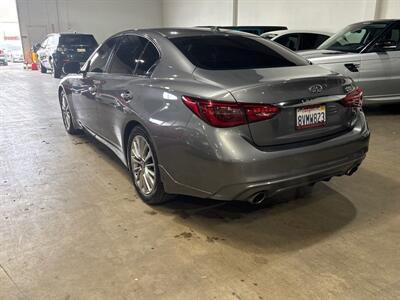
(92, 90)
(127, 95)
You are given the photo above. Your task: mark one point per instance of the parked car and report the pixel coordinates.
(3, 58)
(59, 48)
(369, 52)
(17, 57)
(298, 39)
(257, 30)
(221, 115)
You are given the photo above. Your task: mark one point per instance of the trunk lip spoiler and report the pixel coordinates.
(310, 101)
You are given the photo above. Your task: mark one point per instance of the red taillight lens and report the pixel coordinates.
(354, 98)
(229, 114)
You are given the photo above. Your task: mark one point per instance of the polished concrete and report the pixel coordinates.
(71, 226)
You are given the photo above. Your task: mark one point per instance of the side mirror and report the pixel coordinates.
(386, 45)
(72, 67)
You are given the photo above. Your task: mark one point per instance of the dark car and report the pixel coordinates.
(297, 40)
(215, 114)
(60, 48)
(3, 58)
(257, 30)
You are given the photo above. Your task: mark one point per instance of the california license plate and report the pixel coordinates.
(311, 116)
(81, 49)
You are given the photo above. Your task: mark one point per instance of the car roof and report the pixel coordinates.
(281, 32)
(186, 31)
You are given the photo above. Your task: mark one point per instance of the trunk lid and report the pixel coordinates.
(290, 89)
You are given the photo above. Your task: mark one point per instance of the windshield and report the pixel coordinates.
(354, 38)
(78, 40)
(225, 52)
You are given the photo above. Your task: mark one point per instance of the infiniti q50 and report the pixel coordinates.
(215, 114)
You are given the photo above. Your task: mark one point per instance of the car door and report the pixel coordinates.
(380, 67)
(88, 85)
(128, 77)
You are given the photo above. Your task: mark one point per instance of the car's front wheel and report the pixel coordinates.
(144, 169)
(42, 69)
(67, 115)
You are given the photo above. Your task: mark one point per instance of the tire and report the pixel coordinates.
(56, 72)
(67, 117)
(42, 69)
(141, 161)
(304, 191)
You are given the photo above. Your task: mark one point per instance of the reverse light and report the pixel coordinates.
(229, 114)
(354, 98)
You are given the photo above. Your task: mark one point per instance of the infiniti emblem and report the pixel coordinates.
(316, 88)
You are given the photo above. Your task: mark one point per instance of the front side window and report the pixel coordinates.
(354, 38)
(99, 59)
(392, 36)
(230, 52)
(290, 41)
(312, 41)
(127, 56)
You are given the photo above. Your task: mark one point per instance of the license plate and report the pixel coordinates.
(311, 116)
(81, 50)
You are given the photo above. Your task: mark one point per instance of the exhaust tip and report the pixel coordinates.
(352, 171)
(257, 198)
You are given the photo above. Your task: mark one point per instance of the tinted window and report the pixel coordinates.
(78, 40)
(290, 41)
(98, 61)
(147, 60)
(311, 40)
(354, 37)
(127, 55)
(392, 34)
(223, 52)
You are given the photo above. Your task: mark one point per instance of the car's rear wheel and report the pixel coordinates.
(144, 169)
(67, 115)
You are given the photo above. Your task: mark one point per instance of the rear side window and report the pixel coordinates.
(224, 52)
(127, 56)
(148, 60)
(78, 40)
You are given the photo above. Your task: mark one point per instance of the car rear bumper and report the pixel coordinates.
(237, 170)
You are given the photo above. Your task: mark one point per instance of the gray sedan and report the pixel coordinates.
(215, 114)
(368, 52)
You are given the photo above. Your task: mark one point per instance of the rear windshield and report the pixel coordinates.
(78, 40)
(223, 52)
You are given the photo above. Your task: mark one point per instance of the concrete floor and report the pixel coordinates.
(71, 226)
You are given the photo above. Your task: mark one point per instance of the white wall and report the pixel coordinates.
(327, 15)
(101, 17)
(189, 13)
(387, 9)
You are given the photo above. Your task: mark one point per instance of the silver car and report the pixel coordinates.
(215, 114)
(298, 40)
(368, 52)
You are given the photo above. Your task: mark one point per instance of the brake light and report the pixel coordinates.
(229, 114)
(354, 98)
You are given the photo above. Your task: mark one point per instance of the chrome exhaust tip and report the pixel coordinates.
(257, 198)
(351, 171)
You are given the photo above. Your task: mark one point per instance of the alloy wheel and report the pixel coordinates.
(142, 163)
(66, 113)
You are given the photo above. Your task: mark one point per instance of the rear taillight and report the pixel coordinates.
(229, 114)
(354, 98)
